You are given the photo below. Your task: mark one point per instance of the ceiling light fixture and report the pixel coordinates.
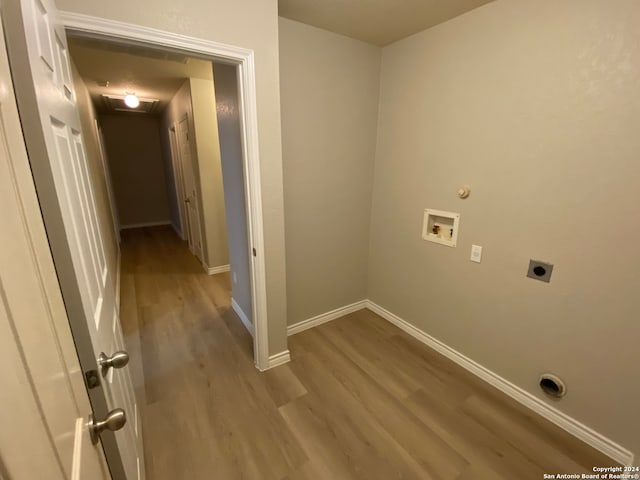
(131, 100)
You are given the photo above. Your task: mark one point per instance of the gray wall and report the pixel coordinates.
(535, 105)
(329, 95)
(226, 87)
(137, 168)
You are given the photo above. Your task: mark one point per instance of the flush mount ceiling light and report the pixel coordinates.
(116, 103)
(131, 100)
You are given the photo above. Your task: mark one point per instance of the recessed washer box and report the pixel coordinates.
(441, 227)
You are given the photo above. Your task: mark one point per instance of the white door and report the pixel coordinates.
(45, 404)
(191, 194)
(178, 178)
(107, 175)
(54, 141)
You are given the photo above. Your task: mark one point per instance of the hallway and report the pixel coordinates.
(179, 328)
(359, 400)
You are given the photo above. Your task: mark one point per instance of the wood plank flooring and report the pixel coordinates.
(359, 400)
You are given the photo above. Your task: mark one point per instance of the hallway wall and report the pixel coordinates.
(329, 90)
(178, 107)
(137, 169)
(227, 110)
(209, 171)
(196, 100)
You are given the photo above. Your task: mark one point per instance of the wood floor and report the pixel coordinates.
(359, 400)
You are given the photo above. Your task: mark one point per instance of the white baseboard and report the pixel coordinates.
(178, 231)
(216, 270)
(571, 425)
(144, 224)
(243, 316)
(325, 317)
(278, 359)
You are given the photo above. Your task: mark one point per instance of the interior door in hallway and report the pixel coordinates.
(42, 77)
(194, 232)
(178, 178)
(43, 397)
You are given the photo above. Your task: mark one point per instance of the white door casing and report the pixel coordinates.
(44, 401)
(244, 59)
(42, 74)
(178, 180)
(190, 187)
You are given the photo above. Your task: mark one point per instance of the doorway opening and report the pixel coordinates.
(74, 219)
(172, 163)
(236, 117)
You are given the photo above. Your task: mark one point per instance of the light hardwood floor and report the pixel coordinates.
(359, 400)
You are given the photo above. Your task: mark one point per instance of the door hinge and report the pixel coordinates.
(254, 252)
(92, 379)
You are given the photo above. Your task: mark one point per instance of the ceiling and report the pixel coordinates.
(379, 22)
(150, 74)
(116, 69)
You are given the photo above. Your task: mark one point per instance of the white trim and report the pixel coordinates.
(138, 33)
(178, 232)
(243, 316)
(244, 59)
(278, 359)
(145, 224)
(176, 169)
(216, 270)
(325, 317)
(564, 421)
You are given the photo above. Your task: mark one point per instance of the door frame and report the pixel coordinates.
(244, 61)
(178, 179)
(187, 169)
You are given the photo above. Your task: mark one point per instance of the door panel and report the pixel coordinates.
(55, 143)
(66, 171)
(178, 181)
(193, 213)
(107, 175)
(44, 401)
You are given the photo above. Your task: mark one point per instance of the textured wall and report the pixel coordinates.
(536, 106)
(329, 90)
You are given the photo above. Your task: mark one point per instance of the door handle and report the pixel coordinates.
(116, 419)
(117, 360)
